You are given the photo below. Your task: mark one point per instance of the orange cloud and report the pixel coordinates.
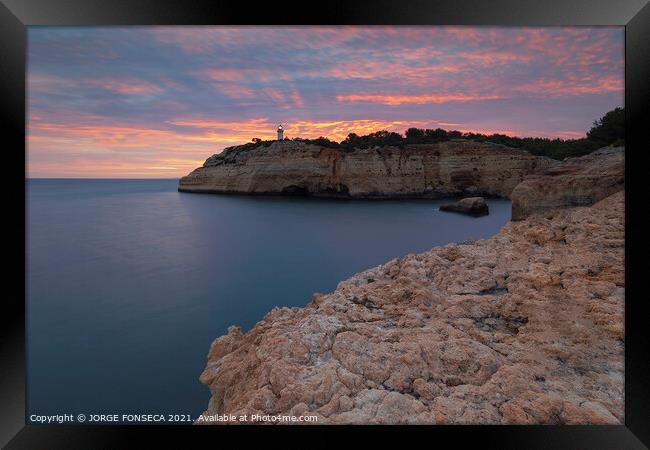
(339, 130)
(570, 134)
(244, 131)
(124, 136)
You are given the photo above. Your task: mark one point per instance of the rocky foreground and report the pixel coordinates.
(452, 168)
(574, 182)
(522, 328)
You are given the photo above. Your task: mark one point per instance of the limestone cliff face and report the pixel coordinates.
(522, 328)
(426, 170)
(574, 182)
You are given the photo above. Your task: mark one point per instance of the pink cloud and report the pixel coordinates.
(235, 90)
(398, 99)
(129, 86)
(284, 98)
(572, 86)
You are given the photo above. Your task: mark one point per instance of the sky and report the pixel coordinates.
(155, 102)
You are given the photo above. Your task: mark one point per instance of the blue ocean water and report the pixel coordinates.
(129, 281)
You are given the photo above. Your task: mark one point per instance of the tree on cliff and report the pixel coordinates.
(415, 135)
(378, 138)
(609, 129)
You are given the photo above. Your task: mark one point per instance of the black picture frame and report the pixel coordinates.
(16, 15)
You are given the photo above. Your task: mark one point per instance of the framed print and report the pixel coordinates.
(267, 221)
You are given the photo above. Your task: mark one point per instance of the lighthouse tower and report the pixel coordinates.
(280, 132)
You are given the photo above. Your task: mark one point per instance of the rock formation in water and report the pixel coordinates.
(523, 328)
(473, 206)
(573, 182)
(445, 169)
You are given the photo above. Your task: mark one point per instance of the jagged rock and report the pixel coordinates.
(574, 182)
(474, 206)
(525, 327)
(453, 168)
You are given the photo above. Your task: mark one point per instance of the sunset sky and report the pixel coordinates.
(155, 102)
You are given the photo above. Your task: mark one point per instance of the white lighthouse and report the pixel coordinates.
(280, 132)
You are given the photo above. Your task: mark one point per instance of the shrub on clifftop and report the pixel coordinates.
(609, 129)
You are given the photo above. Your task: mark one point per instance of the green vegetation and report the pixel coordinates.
(608, 130)
(255, 142)
(322, 141)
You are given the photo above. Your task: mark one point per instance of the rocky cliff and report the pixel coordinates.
(426, 170)
(573, 182)
(522, 328)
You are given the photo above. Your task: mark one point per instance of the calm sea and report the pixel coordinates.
(129, 281)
